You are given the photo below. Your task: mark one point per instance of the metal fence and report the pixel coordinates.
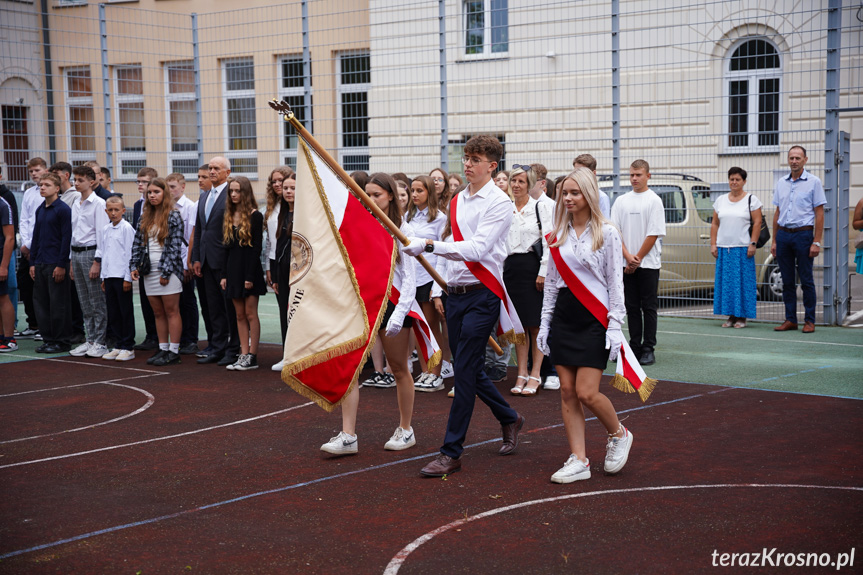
(692, 87)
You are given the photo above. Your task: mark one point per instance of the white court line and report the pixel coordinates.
(76, 385)
(103, 364)
(774, 340)
(151, 440)
(398, 560)
(150, 401)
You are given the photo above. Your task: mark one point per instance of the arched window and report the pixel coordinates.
(752, 82)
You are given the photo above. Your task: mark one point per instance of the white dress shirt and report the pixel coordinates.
(423, 228)
(442, 266)
(187, 208)
(27, 218)
(88, 216)
(524, 231)
(272, 228)
(606, 264)
(484, 220)
(405, 269)
(115, 249)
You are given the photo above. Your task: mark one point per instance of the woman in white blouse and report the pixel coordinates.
(428, 221)
(733, 245)
(524, 271)
(579, 343)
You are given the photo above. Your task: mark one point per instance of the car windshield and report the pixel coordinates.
(671, 196)
(703, 203)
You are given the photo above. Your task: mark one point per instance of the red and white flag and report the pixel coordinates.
(629, 376)
(342, 263)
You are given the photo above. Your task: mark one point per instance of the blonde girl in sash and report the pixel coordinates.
(586, 252)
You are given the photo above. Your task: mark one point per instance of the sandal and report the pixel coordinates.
(740, 323)
(518, 390)
(532, 390)
(729, 322)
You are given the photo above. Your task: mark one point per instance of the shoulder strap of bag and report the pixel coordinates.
(538, 223)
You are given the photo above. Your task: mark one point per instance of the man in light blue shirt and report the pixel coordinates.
(798, 224)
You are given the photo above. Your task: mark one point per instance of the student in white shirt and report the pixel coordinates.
(640, 217)
(115, 249)
(88, 217)
(188, 303)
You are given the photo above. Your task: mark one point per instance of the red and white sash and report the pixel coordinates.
(629, 376)
(509, 327)
(426, 342)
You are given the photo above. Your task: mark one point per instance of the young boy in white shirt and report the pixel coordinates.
(188, 304)
(640, 217)
(115, 249)
(88, 217)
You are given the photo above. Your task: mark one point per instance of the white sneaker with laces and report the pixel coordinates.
(386, 380)
(432, 383)
(617, 451)
(341, 444)
(401, 439)
(446, 370)
(97, 350)
(551, 382)
(111, 355)
(573, 470)
(81, 350)
(278, 367)
(236, 364)
(421, 381)
(125, 355)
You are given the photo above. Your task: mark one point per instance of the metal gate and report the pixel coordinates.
(842, 298)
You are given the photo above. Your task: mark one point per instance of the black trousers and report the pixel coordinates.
(53, 306)
(147, 312)
(223, 317)
(189, 314)
(25, 291)
(640, 296)
(121, 313)
(205, 307)
(283, 298)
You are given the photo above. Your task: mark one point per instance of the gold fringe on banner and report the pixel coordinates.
(435, 359)
(512, 337)
(620, 383)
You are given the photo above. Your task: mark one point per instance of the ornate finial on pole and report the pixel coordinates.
(282, 108)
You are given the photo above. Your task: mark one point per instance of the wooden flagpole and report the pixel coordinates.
(284, 109)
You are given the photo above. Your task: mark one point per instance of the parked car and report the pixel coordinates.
(687, 265)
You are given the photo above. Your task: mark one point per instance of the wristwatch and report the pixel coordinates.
(753, 244)
(816, 244)
(429, 248)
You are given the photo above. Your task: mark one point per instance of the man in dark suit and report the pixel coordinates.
(151, 341)
(208, 259)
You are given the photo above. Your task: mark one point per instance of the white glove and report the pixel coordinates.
(394, 327)
(542, 340)
(613, 341)
(416, 247)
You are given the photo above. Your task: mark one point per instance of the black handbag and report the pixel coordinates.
(536, 247)
(764, 235)
(144, 266)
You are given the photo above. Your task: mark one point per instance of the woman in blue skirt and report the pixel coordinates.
(733, 245)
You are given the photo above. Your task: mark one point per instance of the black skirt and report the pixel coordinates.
(424, 292)
(576, 337)
(391, 307)
(519, 276)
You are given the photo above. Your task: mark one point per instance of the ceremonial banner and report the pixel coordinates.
(341, 271)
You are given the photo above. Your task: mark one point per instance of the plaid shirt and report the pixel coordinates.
(172, 261)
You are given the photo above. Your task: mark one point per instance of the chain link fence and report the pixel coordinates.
(693, 87)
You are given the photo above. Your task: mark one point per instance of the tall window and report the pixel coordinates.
(486, 27)
(354, 81)
(291, 91)
(752, 80)
(240, 119)
(79, 106)
(129, 109)
(182, 117)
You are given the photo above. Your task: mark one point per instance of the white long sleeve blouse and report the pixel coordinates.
(606, 264)
(524, 231)
(428, 230)
(406, 271)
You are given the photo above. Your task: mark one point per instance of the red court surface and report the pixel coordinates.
(119, 468)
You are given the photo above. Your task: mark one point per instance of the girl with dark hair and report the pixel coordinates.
(442, 189)
(243, 276)
(271, 216)
(158, 241)
(280, 264)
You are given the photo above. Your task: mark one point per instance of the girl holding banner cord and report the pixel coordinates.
(383, 190)
(584, 283)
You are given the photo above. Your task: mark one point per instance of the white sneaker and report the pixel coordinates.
(81, 350)
(446, 370)
(401, 439)
(278, 367)
(551, 382)
(386, 380)
(236, 364)
(573, 470)
(420, 381)
(617, 451)
(97, 350)
(451, 392)
(341, 444)
(124, 355)
(431, 383)
(111, 355)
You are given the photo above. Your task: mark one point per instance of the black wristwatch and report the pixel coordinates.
(429, 248)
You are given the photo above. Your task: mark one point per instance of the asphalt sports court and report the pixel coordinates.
(747, 446)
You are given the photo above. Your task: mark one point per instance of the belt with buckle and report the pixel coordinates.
(453, 290)
(793, 230)
(79, 249)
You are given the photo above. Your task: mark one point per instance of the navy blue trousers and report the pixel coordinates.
(792, 251)
(470, 319)
(121, 313)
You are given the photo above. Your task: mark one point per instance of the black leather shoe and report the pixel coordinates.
(147, 345)
(212, 358)
(167, 358)
(42, 348)
(156, 356)
(510, 436)
(52, 348)
(228, 359)
(442, 465)
(647, 358)
(189, 349)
